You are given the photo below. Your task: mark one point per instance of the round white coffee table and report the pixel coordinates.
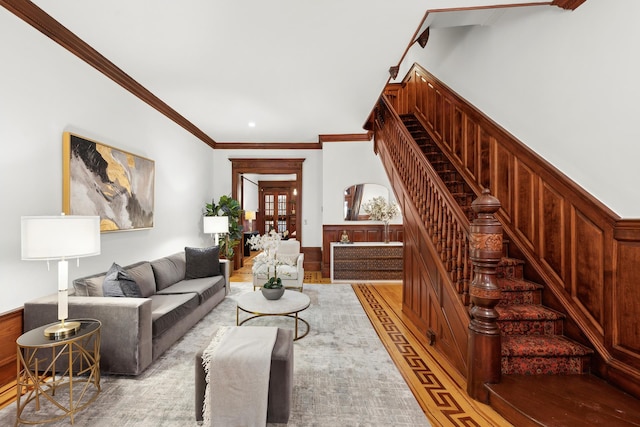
(289, 305)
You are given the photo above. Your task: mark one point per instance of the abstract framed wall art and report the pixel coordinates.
(102, 180)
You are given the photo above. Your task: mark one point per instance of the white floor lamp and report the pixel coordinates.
(215, 225)
(47, 238)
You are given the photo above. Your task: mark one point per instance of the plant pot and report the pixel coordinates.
(272, 293)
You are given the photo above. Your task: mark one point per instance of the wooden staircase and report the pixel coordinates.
(532, 334)
(545, 377)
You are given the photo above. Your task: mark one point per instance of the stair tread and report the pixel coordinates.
(511, 285)
(542, 346)
(511, 261)
(527, 312)
(563, 401)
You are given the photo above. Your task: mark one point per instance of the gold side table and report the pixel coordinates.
(58, 377)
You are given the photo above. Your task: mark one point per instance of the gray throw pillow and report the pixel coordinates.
(118, 283)
(202, 262)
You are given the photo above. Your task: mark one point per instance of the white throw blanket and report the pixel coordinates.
(237, 364)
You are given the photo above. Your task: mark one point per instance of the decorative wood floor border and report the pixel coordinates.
(439, 390)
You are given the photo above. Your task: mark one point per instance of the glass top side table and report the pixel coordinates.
(58, 377)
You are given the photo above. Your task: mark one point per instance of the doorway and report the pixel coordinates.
(277, 202)
(240, 166)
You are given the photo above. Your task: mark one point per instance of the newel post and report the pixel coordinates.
(485, 251)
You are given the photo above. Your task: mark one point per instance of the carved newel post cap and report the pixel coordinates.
(486, 204)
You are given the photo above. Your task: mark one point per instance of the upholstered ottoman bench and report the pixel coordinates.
(280, 379)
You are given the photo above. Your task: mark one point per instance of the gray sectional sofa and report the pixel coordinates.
(176, 292)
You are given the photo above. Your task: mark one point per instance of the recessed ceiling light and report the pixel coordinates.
(252, 124)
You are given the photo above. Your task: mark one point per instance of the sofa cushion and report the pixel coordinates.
(202, 262)
(89, 286)
(205, 287)
(167, 310)
(118, 283)
(288, 259)
(142, 273)
(169, 270)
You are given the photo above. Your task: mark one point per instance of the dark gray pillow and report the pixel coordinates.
(118, 283)
(202, 262)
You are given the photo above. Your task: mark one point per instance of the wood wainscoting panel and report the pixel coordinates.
(502, 176)
(312, 258)
(627, 300)
(553, 239)
(470, 147)
(10, 329)
(484, 158)
(524, 196)
(447, 123)
(588, 267)
(429, 300)
(458, 132)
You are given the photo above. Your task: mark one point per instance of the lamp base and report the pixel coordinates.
(61, 330)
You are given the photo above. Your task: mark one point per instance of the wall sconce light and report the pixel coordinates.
(59, 238)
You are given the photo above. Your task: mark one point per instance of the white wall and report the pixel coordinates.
(326, 173)
(44, 91)
(565, 83)
(250, 201)
(311, 227)
(346, 164)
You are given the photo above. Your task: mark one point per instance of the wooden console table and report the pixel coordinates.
(370, 261)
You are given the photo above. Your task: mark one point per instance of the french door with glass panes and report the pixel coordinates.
(276, 214)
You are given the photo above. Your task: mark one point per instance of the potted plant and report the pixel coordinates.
(229, 207)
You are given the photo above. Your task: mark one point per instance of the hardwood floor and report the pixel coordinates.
(438, 387)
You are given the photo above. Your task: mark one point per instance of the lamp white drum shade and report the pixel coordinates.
(250, 215)
(60, 237)
(216, 224)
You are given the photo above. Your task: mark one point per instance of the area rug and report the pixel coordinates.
(343, 376)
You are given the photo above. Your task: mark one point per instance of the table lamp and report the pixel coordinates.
(216, 225)
(59, 238)
(250, 216)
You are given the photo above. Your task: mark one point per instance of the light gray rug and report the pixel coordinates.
(343, 376)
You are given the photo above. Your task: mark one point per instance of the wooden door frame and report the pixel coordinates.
(280, 187)
(268, 166)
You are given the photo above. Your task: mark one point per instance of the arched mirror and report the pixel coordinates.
(357, 195)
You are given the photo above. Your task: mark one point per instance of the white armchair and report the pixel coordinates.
(290, 269)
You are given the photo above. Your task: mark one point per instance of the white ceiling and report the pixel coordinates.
(295, 68)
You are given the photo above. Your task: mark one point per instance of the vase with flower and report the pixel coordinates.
(379, 209)
(266, 260)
